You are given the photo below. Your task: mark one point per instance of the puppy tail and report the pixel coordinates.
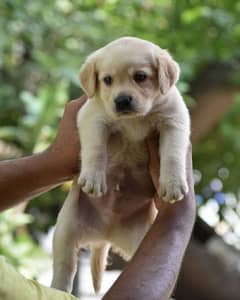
(99, 255)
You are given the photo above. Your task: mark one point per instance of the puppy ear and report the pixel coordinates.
(88, 76)
(168, 70)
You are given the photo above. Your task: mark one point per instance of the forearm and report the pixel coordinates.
(21, 179)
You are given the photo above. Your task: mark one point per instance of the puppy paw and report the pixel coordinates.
(93, 183)
(172, 189)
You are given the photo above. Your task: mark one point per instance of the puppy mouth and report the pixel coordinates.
(128, 114)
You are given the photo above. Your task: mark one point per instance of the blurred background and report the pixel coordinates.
(42, 46)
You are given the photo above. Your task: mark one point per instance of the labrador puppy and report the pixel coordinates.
(131, 91)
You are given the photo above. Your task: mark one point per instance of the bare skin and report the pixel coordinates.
(152, 272)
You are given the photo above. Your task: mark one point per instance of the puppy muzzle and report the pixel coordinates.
(123, 104)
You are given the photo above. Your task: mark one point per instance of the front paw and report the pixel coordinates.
(172, 188)
(93, 183)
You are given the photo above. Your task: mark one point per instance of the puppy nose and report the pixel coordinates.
(123, 103)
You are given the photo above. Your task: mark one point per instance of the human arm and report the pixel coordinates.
(24, 178)
(153, 271)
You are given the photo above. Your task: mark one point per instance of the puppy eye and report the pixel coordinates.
(139, 77)
(108, 80)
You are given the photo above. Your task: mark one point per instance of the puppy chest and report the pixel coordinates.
(134, 130)
(121, 152)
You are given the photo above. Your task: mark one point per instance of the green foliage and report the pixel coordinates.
(38, 123)
(43, 44)
(17, 245)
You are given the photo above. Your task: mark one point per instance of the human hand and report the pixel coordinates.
(154, 169)
(65, 150)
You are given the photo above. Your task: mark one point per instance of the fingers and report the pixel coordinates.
(75, 105)
(153, 151)
(79, 101)
(67, 134)
(154, 162)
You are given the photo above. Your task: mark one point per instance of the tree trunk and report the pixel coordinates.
(211, 106)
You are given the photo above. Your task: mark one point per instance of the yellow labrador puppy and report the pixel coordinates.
(131, 88)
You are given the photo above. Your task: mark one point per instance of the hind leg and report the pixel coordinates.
(78, 225)
(64, 263)
(65, 244)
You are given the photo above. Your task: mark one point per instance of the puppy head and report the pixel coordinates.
(128, 75)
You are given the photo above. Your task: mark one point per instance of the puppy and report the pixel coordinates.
(131, 88)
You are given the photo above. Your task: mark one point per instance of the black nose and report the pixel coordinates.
(123, 103)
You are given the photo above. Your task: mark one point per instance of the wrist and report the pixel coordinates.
(59, 165)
